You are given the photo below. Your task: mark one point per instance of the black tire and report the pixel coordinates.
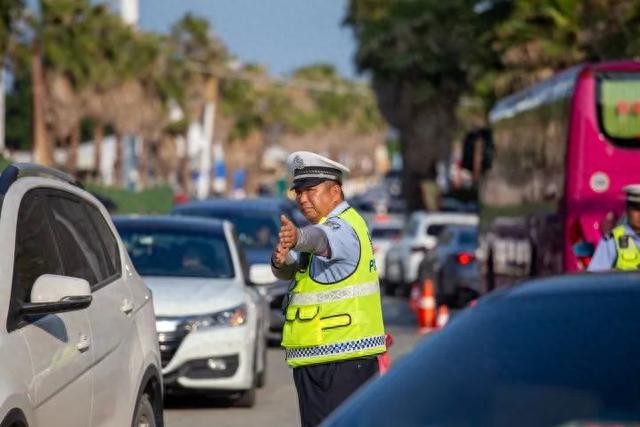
(15, 418)
(144, 415)
(247, 399)
(389, 288)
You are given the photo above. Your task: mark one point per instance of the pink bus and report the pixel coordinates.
(562, 150)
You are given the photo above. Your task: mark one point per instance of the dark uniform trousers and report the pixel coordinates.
(323, 387)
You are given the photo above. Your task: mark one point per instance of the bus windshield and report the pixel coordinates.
(618, 100)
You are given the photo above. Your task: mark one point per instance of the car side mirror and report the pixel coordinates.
(56, 294)
(584, 249)
(261, 274)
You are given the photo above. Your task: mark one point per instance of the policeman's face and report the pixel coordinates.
(319, 200)
(633, 215)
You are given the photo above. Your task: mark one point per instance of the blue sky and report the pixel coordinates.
(280, 34)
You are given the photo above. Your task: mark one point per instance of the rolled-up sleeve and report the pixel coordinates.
(604, 256)
(344, 248)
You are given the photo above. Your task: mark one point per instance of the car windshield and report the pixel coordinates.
(468, 238)
(256, 230)
(435, 229)
(178, 253)
(411, 228)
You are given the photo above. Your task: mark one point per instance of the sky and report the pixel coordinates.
(280, 34)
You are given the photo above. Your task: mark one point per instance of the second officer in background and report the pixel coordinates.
(620, 250)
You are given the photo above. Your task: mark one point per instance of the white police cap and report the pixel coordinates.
(308, 169)
(633, 193)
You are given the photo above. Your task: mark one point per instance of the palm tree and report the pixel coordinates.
(422, 55)
(10, 16)
(196, 59)
(62, 70)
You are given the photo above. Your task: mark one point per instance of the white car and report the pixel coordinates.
(79, 347)
(385, 232)
(419, 236)
(211, 323)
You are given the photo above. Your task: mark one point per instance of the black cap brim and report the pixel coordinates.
(633, 204)
(299, 184)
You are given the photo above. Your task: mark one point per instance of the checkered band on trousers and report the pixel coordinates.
(338, 348)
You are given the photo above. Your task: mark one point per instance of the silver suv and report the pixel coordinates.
(79, 346)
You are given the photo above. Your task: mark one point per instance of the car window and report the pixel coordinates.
(256, 230)
(82, 253)
(411, 228)
(435, 229)
(110, 243)
(35, 251)
(468, 238)
(445, 237)
(178, 253)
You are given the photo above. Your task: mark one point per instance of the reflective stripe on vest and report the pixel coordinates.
(316, 298)
(628, 256)
(340, 348)
(336, 321)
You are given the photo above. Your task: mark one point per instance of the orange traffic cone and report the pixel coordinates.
(443, 316)
(426, 307)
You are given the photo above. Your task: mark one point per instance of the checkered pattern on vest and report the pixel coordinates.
(338, 348)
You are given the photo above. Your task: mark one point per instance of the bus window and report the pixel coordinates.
(619, 107)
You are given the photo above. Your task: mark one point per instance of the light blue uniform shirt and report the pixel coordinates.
(606, 254)
(345, 249)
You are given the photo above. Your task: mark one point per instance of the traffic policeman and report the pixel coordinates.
(620, 250)
(333, 330)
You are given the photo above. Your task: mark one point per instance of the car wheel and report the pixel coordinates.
(144, 416)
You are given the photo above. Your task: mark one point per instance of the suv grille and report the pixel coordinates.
(169, 343)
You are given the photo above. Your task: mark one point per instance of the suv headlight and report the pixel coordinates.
(236, 316)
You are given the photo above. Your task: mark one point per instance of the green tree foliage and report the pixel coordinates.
(335, 101)
(192, 55)
(313, 97)
(10, 15)
(18, 111)
(543, 36)
(431, 59)
(423, 56)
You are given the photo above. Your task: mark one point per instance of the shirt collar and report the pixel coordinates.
(343, 206)
(630, 231)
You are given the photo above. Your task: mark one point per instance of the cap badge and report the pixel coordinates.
(298, 163)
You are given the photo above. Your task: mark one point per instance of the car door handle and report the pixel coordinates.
(84, 344)
(127, 306)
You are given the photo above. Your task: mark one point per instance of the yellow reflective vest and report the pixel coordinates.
(628, 254)
(338, 321)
